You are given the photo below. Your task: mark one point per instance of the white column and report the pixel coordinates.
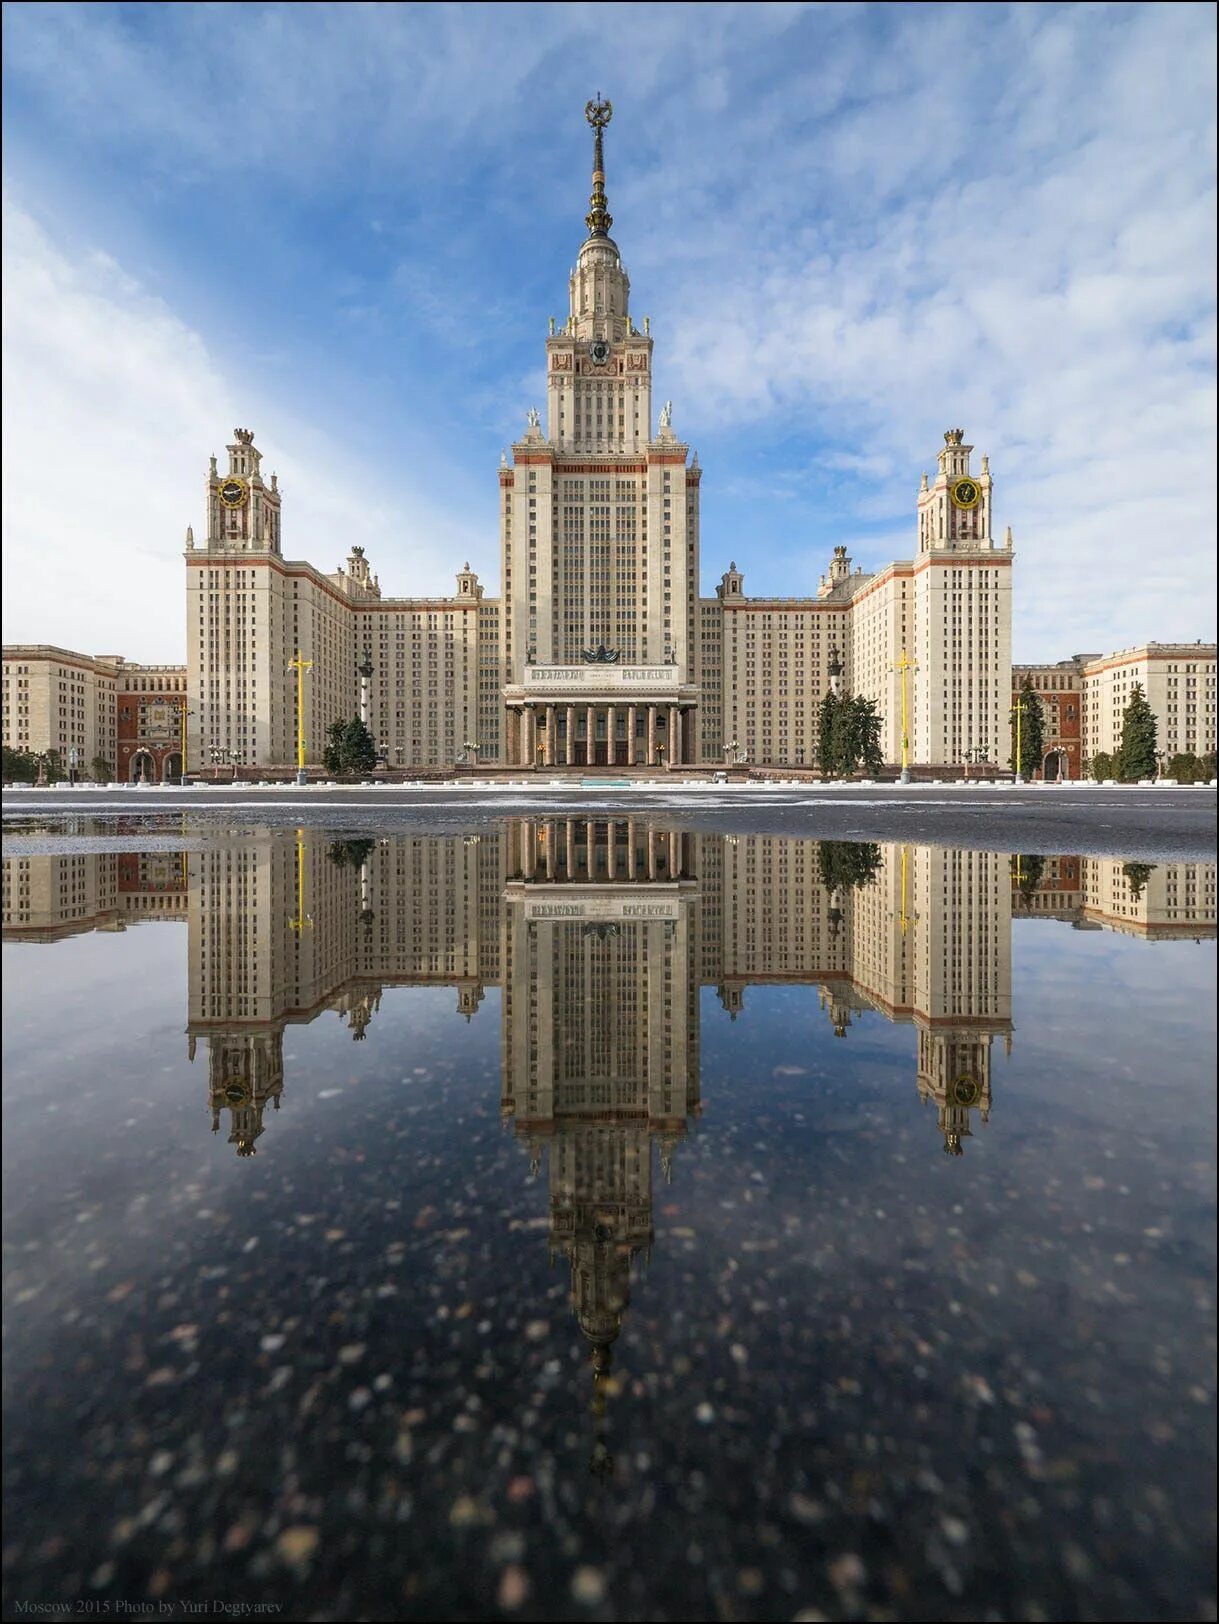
(651, 735)
(590, 754)
(611, 729)
(673, 736)
(550, 749)
(571, 736)
(631, 720)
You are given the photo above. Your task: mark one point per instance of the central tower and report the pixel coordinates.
(599, 366)
(599, 538)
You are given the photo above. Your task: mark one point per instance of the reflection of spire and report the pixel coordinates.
(600, 1461)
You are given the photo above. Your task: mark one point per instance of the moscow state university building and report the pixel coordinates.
(598, 650)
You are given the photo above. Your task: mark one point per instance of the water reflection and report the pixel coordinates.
(602, 933)
(603, 938)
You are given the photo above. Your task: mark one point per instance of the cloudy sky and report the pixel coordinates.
(853, 226)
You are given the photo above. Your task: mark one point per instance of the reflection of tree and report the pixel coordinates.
(847, 863)
(1137, 875)
(1027, 871)
(351, 853)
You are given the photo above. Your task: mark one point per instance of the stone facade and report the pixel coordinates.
(1060, 693)
(1178, 680)
(131, 716)
(1083, 700)
(599, 650)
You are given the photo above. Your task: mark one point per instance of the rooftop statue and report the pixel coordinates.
(602, 655)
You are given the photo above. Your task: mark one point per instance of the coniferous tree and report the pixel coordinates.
(102, 771)
(1136, 757)
(825, 734)
(842, 736)
(350, 748)
(333, 755)
(360, 747)
(865, 743)
(1032, 730)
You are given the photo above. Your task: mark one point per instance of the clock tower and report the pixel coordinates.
(242, 510)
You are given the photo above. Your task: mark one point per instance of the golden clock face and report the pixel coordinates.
(965, 493)
(965, 1091)
(233, 492)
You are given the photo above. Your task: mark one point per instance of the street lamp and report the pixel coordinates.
(224, 757)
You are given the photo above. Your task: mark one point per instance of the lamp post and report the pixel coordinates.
(905, 665)
(1019, 778)
(300, 667)
(229, 758)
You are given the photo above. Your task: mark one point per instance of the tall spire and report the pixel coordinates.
(598, 219)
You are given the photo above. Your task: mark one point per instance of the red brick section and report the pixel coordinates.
(137, 731)
(1062, 711)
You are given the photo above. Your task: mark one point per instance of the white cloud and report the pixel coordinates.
(113, 406)
(853, 226)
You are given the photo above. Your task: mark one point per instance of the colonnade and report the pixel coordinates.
(597, 850)
(600, 735)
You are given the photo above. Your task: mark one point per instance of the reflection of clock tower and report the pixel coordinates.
(245, 1071)
(954, 1071)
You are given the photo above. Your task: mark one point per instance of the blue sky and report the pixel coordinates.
(852, 227)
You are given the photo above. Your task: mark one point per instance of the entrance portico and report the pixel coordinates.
(601, 716)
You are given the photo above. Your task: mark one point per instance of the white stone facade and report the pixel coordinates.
(1178, 680)
(600, 571)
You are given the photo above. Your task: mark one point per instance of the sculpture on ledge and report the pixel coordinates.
(602, 655)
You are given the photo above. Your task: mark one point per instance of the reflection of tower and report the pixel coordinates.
(954, 1071)
(600, 1043)
(244, 1072)
(359, 1008)
(962, 976)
